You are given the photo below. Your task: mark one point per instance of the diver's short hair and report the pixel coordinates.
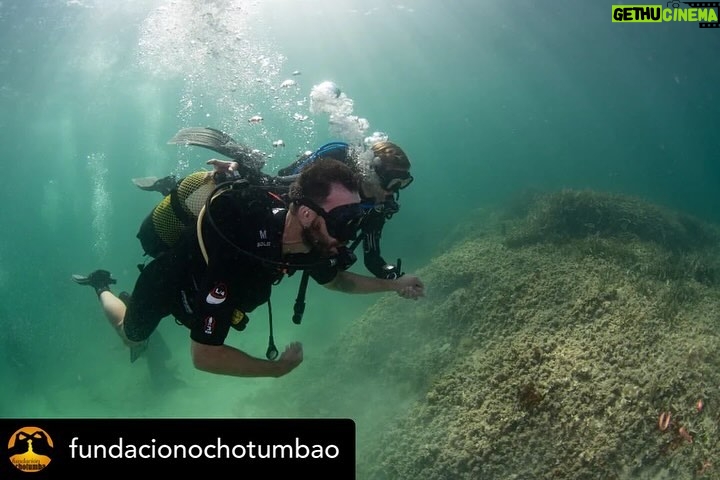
(314, 181)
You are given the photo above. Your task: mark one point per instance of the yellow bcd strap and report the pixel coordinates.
(198, 229)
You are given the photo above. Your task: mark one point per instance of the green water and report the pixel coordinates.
(487, 99)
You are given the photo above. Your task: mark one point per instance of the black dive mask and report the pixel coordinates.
(394, 180)
(342, 222)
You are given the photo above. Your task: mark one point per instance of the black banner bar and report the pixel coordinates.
(55, 448)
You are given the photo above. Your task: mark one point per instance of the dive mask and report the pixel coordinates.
(394, 180)
(342, 222)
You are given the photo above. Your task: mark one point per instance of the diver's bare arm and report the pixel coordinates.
(349, 282)
(227, 360)
(407, 286)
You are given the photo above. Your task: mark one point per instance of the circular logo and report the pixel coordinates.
(30, 448)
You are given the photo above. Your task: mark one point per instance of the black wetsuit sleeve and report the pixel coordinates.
(213, 309)
(372, 232)
(216, 293)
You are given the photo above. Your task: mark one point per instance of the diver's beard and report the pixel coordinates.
(311, 238)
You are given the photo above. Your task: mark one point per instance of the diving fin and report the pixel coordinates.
(163, 185)
(137, 350)
(145, 183)
(220, 142)
(207, 137)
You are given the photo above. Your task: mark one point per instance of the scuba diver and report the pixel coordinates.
(246, 239)
(384, 169)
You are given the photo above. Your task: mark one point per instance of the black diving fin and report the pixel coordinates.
(163, 185)
(221, 143)
(137, 350)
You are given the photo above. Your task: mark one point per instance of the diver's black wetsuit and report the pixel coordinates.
(371, 232)
(206, 297)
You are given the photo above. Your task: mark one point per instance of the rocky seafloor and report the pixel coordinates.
(555, 333)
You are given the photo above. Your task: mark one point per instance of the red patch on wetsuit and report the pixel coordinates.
(217, 295)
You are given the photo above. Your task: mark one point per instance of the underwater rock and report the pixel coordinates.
(550, 355)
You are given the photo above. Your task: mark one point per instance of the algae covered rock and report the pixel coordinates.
(548, 346)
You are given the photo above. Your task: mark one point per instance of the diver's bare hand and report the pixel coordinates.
(291, 357)
(410, 286)
(225, 167)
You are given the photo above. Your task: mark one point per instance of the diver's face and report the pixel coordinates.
(373, 191)
(315, 229)
(319, 240)
(386, 183)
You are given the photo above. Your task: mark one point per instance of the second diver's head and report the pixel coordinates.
(325, 198)
(387, 172)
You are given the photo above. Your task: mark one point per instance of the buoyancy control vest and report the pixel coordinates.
(163, 226)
